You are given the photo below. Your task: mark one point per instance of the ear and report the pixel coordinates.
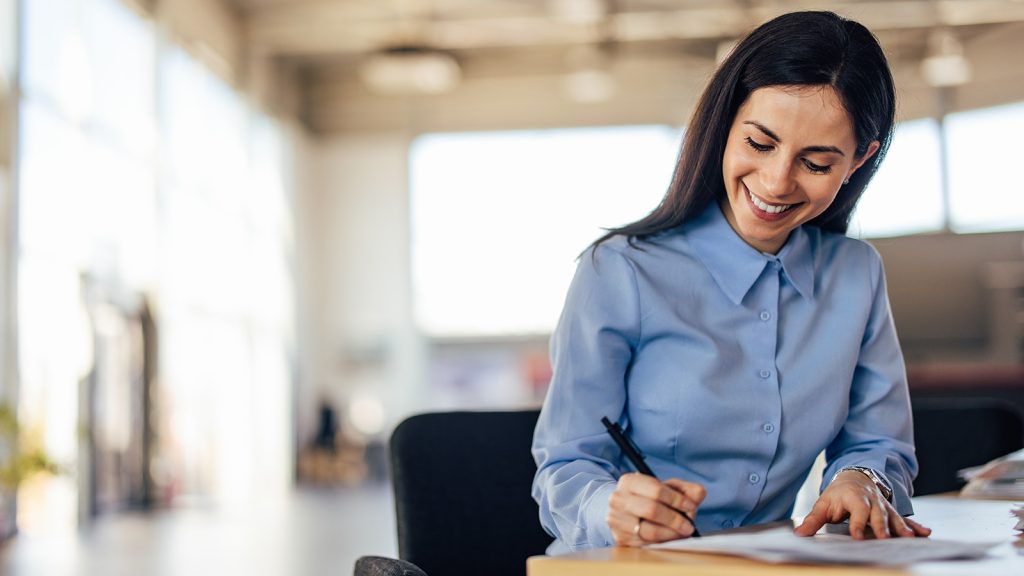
(872, 149)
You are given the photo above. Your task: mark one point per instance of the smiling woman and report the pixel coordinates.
(735, 332)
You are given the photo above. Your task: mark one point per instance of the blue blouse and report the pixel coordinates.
(728, 367)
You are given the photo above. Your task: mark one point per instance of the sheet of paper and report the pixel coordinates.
(782, 545)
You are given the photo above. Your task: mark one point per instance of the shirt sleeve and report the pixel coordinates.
(878, 431)
(591, 350)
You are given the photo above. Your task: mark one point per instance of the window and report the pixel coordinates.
(499, 218)
(905, 196)
(205, 237)
(985, 195)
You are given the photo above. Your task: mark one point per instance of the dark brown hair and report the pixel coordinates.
(797, 49)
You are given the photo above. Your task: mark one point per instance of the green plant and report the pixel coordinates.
(20, 456)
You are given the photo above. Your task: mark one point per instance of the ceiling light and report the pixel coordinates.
(411, 70)
(945, 65)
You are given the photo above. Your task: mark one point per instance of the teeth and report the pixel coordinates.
(768, 207)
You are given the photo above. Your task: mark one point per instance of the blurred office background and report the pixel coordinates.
(242, 239)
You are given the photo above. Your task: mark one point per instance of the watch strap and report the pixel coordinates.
(876, 478)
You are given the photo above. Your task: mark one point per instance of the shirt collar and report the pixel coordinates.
(736, 266)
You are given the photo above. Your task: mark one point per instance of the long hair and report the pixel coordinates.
(801, 48)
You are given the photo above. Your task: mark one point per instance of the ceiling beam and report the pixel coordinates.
(353, 27)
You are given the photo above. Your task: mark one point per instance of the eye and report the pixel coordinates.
(758, 147)
(816, 168)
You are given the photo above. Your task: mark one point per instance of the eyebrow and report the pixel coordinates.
(767, 132)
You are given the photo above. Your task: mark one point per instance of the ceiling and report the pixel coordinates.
(508, 38)
(317, 31)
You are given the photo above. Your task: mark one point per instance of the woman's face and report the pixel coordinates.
(789, 150)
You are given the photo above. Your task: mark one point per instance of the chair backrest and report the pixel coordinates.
(955, 433)
(383, 566)
(462, 492)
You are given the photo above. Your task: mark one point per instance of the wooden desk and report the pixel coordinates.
(949, 518)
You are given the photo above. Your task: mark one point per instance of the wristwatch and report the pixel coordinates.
(879, 481)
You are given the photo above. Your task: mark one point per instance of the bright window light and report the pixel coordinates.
(905, 196)
(498, 219)
(985, 194)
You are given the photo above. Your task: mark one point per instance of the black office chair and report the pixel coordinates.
(381, 566)
(955, 433)
(462, 492)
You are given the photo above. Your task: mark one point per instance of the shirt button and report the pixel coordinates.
(768, 428)
(765, 315)
(765, 373)
(754, 478)
(727, 524)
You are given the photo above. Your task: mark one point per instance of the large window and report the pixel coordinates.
(905, 196)
(204, 237)
(499, 218)
(986, 194)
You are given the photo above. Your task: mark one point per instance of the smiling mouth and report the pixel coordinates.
(766, 207)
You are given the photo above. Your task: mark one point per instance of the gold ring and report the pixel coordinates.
(636, 529)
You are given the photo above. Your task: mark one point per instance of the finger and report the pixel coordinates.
(654, 489)
(656, 512)
(919, 529)
(642, 484)
(813, 521)
(672, 497)
(692, 490)
(652, 533)
(661, 502)
(879, 518)
(859, 515)
(898, 526)
(632, 506)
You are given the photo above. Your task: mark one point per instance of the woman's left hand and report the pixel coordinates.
(854, 495)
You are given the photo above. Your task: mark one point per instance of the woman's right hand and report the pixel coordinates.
(644, 510)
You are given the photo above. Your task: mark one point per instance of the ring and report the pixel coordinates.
(636, 529)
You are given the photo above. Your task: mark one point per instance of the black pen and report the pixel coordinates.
(637, 459)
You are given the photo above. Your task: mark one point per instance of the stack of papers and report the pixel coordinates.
(1000, 478)
(1019, 544)
(782, 545)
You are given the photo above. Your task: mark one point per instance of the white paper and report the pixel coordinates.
(782, 545)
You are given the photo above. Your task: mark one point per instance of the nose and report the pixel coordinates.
(776, 176)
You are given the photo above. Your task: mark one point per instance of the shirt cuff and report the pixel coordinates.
(598, 531)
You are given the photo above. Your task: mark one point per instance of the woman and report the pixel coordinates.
(736, 332)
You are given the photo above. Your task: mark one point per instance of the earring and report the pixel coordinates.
(845, 182)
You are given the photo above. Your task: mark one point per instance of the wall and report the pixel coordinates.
(942, 302)
(366, 341)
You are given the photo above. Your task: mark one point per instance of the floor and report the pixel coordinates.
(314, 531)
